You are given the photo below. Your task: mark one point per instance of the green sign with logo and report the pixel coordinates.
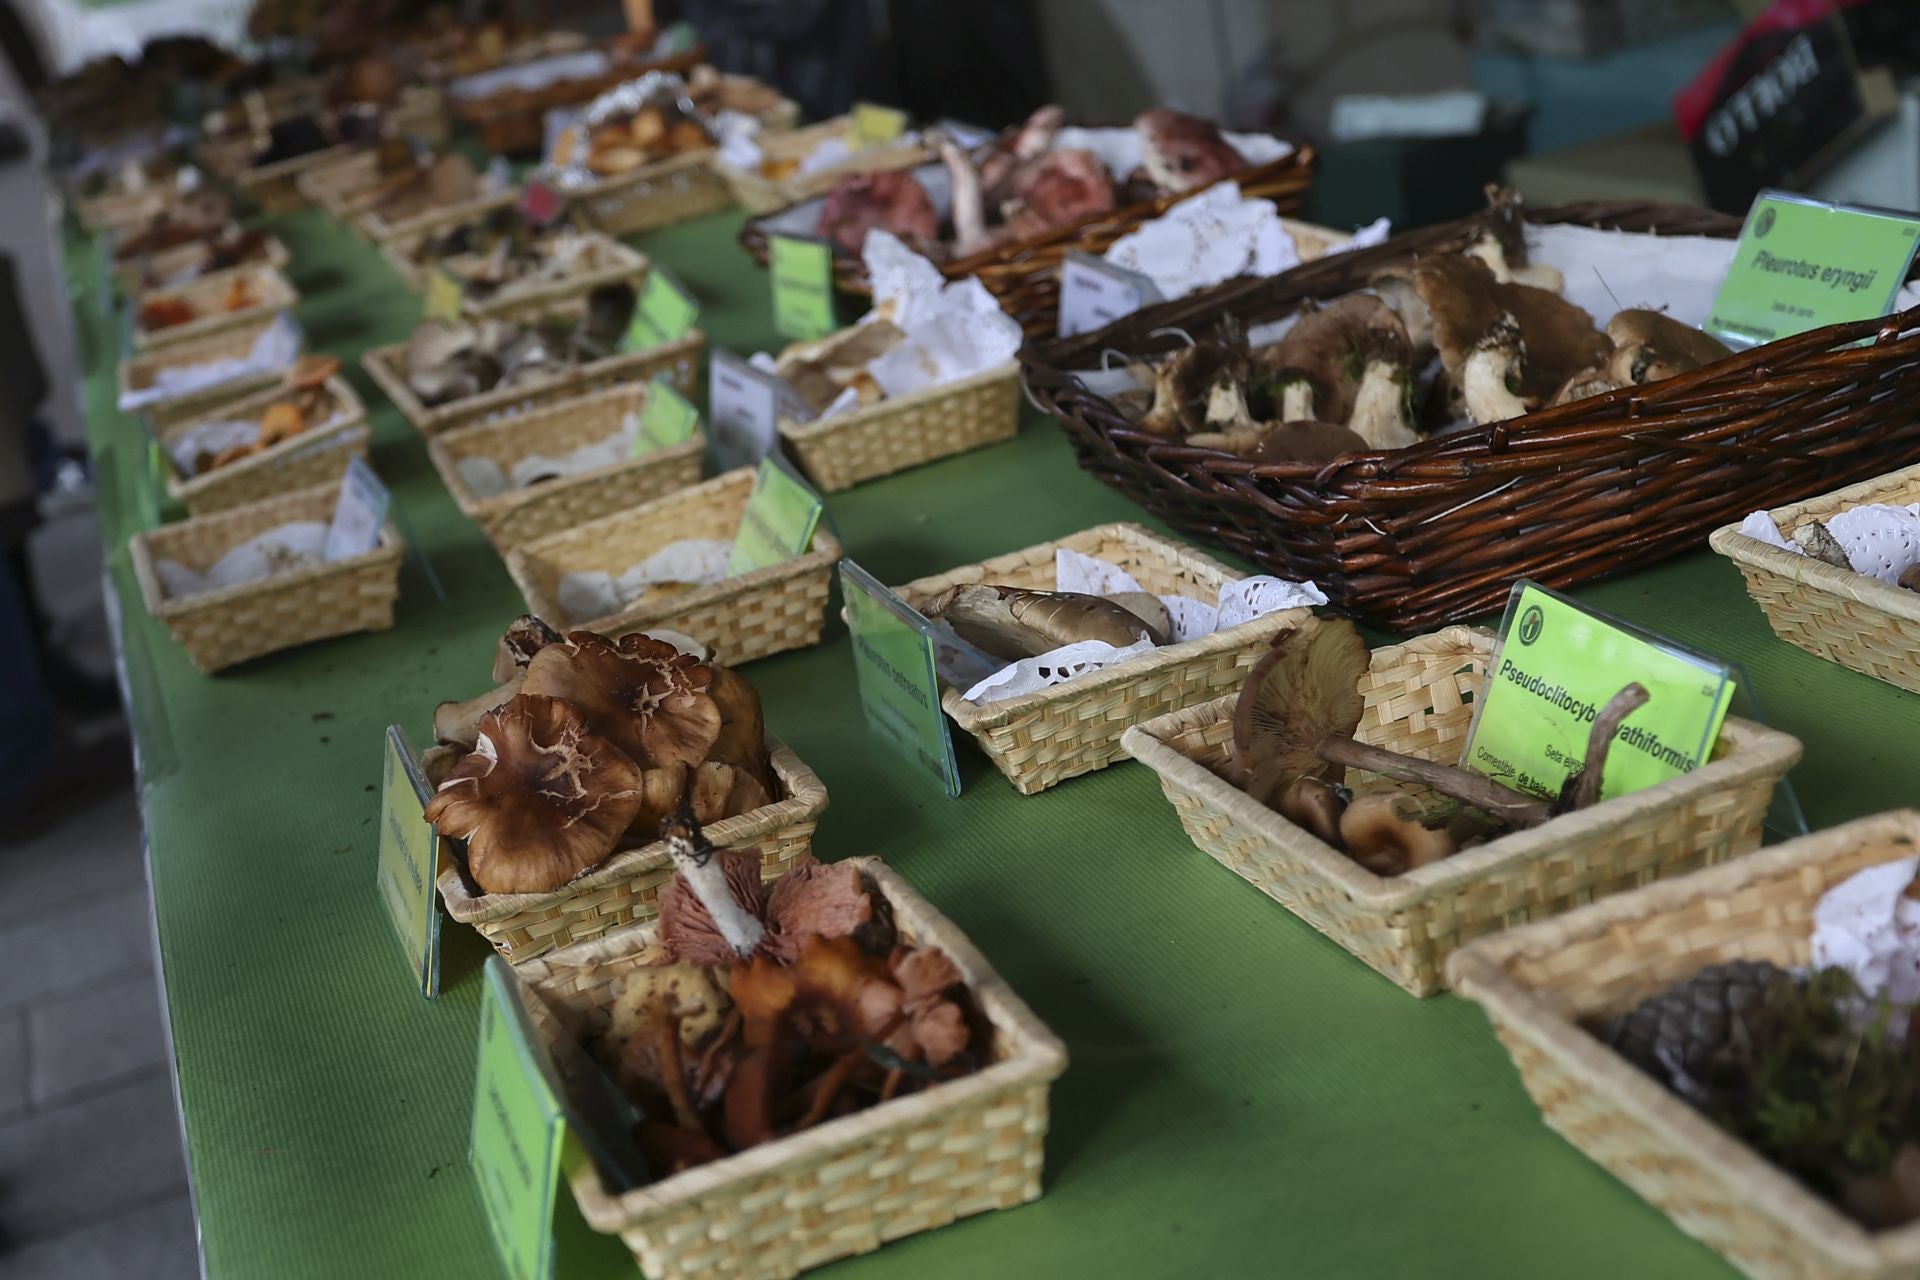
(894, 660)
(1802, 264)
(665, 312)
(802, 272)
(778, 522)
(518, 1130)
(1557, 666)
(408, 856)
(667, 419)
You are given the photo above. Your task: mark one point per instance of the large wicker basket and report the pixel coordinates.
(1416, 537)
(207, 296)
(137, 373)
(519, 516)
(1041, 739)
(757, 193)
(1539, 983)
(614, 263)
(623, 890)
(276, 187)
(850, 1185)
(841, 451)
(1024, 274)
(754, 615)
(680, 361)
(1419, 700)
(318, 455)
(1850, 618)
(380, 229)
(231, 625)
(189, 260)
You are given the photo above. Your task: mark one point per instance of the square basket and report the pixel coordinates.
(520, 516)
(221, 628)
(613, 263)
(1041, 739)
(840, 452)
(183, 262)
(847, 1186)
(623, 890)
(757, 193)
(269, 290)
(275, 187)
(318, 455)
(380, 229)
(1858, 621)
(138, 373)
(1419, 700)
(752, 615)
(1540, 983)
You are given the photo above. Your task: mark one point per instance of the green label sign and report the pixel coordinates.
(779, 520)
(875, 125)
(665, 312)
(802, 272)
(409, 852)
(1557, 666)
(444, 295)
(1802, 264)
(893, 658)
(667, 419)
(518, 1129)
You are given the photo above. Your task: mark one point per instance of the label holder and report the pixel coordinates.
(407, 861)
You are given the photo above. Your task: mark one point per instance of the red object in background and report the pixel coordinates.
(541, 205)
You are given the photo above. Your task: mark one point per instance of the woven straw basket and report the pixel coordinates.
(115, 209)
(622, 890)
(521, 515)
(130, 274)
(613, 263)
(1041, 739)
(318, 455)
(1539, 983)
(378, 228)
(231, 625)
(1858, 621)
(138, 372)
(421, 113)
(334, 187)
(753, 615)
(1419, 700)
(387, 367)
(677, 189)
(207, 296)
(276, 187)
(852, 1184)
(511, 121)
(758, 193)
(841, 451)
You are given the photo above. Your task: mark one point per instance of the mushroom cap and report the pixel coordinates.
(1650, 346)
(1306, 687)
(1558, 337)
(1471, 310)
(526, 636)
(643, 695)
(1594, 380)
(457, 724)
(1183, 383)
(1315, 804)
(1301, 441)
(815, 900)
(1331, 346)
(1386, 841)
(538, 800)
(742, 740)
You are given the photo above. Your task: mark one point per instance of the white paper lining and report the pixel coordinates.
(589, 594)
(273, 350)
(282, 549)
(1868, 926)
(1881, 541)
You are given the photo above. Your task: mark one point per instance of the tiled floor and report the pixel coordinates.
(93, 1185)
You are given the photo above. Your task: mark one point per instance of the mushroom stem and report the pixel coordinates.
(1380, 407)
(673, 1073)
(1583, 787)
(1512, 807)
(967, 205)
(693, 856)
(1484, 382)
(1296, 401)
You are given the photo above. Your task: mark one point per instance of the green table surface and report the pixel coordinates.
(1245, 1098)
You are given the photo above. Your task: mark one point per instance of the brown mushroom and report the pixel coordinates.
(1651, 346)
(1506, 257)
(1315, 804)
(538, 800)
(1184, 382)
(1013, 622)
(1330, 355)
(1305, 688)
(457, 724)
(642, 694)
(518, 643)
(1147, 607)
(1909, 578)
(1818, 542)
(742, 740)
(1285, 442)
(1507, 348)
(1386, 840)
(1591, 381)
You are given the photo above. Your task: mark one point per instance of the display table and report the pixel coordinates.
(1245, 1098)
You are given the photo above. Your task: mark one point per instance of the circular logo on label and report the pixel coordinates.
(1763, 224)
(1530, 624)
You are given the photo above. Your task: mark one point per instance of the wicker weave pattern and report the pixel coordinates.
(1849, 618)
(1418, 700)
(523, 515)
(680, 361)
(129, 273)
(137, 373)
(613, 263)
(677, 189)
(318, 455)
(891, 436)
(511, 121)
(754, 615)
(1534, 982)
(379, 229)
(207, 296)
(276, 187)
(223, 627)
(758, 193)
(334, 186)
(624, 889)
(116, 209)
(1041, 739)
(847, 1186)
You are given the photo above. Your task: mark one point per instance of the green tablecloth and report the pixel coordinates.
(1244, 1097)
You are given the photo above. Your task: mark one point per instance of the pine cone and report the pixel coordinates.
(1694, 1033)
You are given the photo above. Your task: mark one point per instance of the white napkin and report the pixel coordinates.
(954, 330)
(1867, 926)
(271, 353)
(282, 549)
(1216, 236)
(1881, 541)
(589, 594)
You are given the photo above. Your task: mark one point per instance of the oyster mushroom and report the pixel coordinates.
(1386, 840)
(457, 724)
(641, 694)
(1305, 688)
(527, 636)
(538, 800)
(1651, 346)
(1346, 362)
(1183, 152)
(1014, 623)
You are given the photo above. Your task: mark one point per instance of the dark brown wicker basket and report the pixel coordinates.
(1415, 538)
(1025, 274)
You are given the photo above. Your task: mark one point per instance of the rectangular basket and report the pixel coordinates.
(617, 263)
(512, 121)
(193, 256)
(840, 452)
(1041, 739)
(1539, 983)
(318, 455)
(520, 516)
(753, 615)
(234, 624)
(623, 890)
(1411, 539)
(757, 193)
(380, 229)
(333, 187)
(112, 210)
(137, 373)
(421, 113)
(680, 361)
(276, 187)
(1419, 701)
(849, 1185)
(1858, 621)
(271, 291)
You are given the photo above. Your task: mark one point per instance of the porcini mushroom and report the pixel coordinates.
(1382, 837)
(1507, 348)
(538, 800)
(1284, 442)
(642, 694)
(1305, 688)
(1336, 356)
(1013, 622)
(1651, 346)
(1184, 383)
